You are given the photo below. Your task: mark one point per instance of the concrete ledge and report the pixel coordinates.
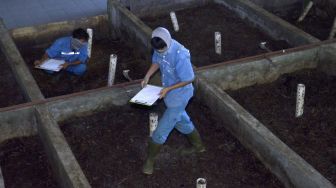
(260, 70)
(273, 25)
(2, 183)
(91, 102)
(65, 166)
(290, 168)
(42, 34)
(125, 24)
(21, 72)
(17, 123)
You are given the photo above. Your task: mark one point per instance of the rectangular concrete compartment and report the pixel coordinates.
(240, 37)
(32, 46)
(24, 163)
(317, 22)
(284, 162)
(124, 21)
(110, 146)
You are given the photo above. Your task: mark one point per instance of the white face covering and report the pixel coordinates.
(76, 44)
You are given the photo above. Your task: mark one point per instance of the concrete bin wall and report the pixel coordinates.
(289, 167)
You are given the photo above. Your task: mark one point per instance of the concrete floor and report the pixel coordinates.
(21, 13)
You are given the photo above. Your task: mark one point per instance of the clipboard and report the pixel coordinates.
(147, 96)
(51, 64)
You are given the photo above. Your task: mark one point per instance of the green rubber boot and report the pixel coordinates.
(197, 145)
(153, 150)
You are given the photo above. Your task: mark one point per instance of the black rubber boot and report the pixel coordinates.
(197, 145)
(153, 150)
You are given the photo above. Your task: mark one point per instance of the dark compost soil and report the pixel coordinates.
(24, 164)
(111, 147)
(10, 93)
(312, 136)
(98, 66)
(197, 26)
(318, 21)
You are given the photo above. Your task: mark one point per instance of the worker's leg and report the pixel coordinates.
(165, 126)
(77, 70)
(186, 126)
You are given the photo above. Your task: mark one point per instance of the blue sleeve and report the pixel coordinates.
(154, 58)
(83, 54)
(184, 67)
(55, 49)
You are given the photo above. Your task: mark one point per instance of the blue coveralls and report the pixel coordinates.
(175, 67)
(61, 49)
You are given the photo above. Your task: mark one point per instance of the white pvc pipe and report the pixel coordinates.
(90, 32)
(333, 30)
(174, 20)
(153, 122)
(305, 11)
(218, 43)
(200, 183)
(299, 100)
(112, 69)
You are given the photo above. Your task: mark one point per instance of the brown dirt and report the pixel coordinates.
(197, 26)
(24, 164)
(318, 21)
(111, 147)
(98, 67)
(10, 93)
(312, 136)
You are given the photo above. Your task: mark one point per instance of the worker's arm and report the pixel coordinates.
(67, 64)
(40, 61)
(165, 90)
(153, 68)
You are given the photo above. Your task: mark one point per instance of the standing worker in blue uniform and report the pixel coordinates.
(71, 49)
(177, 75)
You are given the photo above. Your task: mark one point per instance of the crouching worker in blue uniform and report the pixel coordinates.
(71, 49)
(177, 75)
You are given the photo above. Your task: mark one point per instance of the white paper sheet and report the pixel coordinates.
(147, 96)
(51, 64)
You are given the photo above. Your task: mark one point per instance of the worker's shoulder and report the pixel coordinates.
(182, 52)
(65, 39)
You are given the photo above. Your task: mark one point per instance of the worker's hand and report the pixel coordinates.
(144, 82)
(37, 62)
(164, 92)
(65, 65)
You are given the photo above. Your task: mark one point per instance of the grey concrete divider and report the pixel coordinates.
(17, 123)
(65, 166)
(47, 33)
(273, 25)
(2, 183)
(21, 72)
(289, 167)
(89, 102)
(264, 69)
(125, 24)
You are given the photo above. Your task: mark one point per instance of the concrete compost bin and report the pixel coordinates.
(110, 146)
(290, 168)
(318, 21)
(33, 41)
(125, 19)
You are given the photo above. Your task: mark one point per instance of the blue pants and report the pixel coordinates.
(77, 70)
(175, 117)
